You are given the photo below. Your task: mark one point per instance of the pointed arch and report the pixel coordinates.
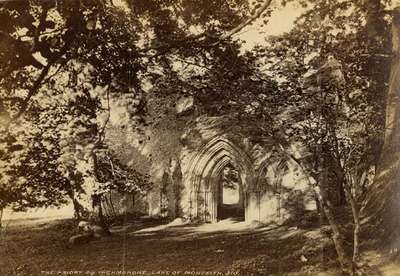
(205, 171)
(277, 164)
(213, 157)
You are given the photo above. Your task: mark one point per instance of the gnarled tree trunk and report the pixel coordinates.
(384, 199)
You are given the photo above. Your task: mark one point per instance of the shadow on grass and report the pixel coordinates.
(147, 245)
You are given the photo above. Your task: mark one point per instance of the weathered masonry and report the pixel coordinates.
(224, 175)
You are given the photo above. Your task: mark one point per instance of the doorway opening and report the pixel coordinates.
(231, 202)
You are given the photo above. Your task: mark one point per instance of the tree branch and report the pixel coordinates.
(248, 21)
(68, 38)
(192, 38)
(36, 85)
(40, 28)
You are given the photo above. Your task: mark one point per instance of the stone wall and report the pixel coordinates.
(273, 187)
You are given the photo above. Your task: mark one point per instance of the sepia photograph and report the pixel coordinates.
(200, 137)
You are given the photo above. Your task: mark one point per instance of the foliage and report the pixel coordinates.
(116, 176)
(70, 62)
(341, 119)
(334, 104)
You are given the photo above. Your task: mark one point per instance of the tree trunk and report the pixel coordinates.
(1, 216)
(392, 127)
(341, 194)
(327, 211)
(77, 209)
(336, 236)
(355, 210)
(107, 207)
(112, 204)
(98, 209)
(356, 233)
(96, 200)
(375, 24)
(384, 199)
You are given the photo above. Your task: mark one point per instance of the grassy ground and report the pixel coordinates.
(35, 247)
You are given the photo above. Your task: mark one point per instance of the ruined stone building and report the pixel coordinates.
(268, 187)
(191, 182)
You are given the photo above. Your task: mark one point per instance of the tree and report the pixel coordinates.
(43, 42)
(384, 197)
(336, 126)
(29, 172)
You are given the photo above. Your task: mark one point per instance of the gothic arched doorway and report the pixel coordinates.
(207, 201)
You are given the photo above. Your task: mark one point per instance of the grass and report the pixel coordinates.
(40, 248)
